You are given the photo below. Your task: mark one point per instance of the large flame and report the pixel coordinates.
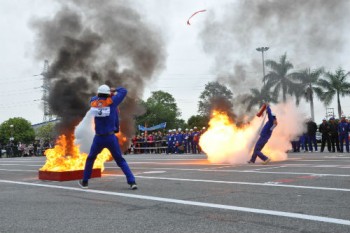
(224, 142)
(57, 158)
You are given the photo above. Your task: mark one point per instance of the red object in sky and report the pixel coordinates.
(188, 21)
(67, 175)
(261, 111)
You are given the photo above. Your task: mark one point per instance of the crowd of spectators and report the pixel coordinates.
(174, 141)
(333, 134)
(36, 148)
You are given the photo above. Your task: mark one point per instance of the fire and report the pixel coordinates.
(225, 142)
(58, 160)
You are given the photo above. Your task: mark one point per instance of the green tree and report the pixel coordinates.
(198, 121)
(258, 97)
(19, 128)
(334, 84)
(309, 80)
(160, 107)
(280, 79)
(47, 132)
(212, 92)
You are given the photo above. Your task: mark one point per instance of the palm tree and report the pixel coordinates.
(280, 79)
(309, 82)
(258, 97)
(333, 84)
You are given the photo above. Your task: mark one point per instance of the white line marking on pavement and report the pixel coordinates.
(194, 203)
(25, 165)
(271, 184)
(21, 161)
(18, 170)
(266, 168)
(238, 171)
(154, 172)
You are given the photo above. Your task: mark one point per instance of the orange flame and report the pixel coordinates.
(224, 142)
(58, 160)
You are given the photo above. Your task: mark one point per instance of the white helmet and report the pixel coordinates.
(104, 89)
(179, 129)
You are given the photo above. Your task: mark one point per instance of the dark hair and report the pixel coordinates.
(103, 95)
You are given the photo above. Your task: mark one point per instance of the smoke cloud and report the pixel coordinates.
(313, 33)
(90, 43)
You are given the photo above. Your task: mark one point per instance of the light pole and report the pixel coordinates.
(262, 50)
(11, 138)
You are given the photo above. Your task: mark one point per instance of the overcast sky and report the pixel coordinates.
(192, 55)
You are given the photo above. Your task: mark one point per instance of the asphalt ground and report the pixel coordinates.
(309, 192)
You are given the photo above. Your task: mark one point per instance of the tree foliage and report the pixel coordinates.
(198, 121)
(160, 107)
(21, 131)
(309, 85)
(281, 79)
(258, 97)
(46, 132)
(334, 84)
(213, 91)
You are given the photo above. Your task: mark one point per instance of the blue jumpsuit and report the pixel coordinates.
(265, 135)
(195, 136)
(179, 139)
(105, 123)
(343, 130)
(169, 139)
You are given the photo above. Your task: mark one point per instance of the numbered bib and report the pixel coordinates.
(101, 112)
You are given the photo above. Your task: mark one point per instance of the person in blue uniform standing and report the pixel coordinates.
(195, 140)
(265, 135)
(104, 109)
(343, 130)
(169, 139)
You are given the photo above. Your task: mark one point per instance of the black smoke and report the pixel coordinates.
(90, 43)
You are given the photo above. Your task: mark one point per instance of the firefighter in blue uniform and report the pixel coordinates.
(195, 140)
(186, 141)
(265, 135)
(343, 130)
(179, 141)
(104, 109)
(169, 139)
(173, 136)
(190, 141)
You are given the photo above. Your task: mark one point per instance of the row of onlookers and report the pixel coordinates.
(173, 142)
(35, 148)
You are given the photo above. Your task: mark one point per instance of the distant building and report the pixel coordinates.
(37, 126)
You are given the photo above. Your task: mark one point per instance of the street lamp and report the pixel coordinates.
(262, 50)
(11, 138)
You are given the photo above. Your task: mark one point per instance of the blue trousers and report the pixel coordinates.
(111, 143)
(343, 137)
(195, 147)
(170, 148)
(311, 139)
(257, 149)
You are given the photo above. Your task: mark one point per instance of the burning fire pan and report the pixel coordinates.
(67, 175)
